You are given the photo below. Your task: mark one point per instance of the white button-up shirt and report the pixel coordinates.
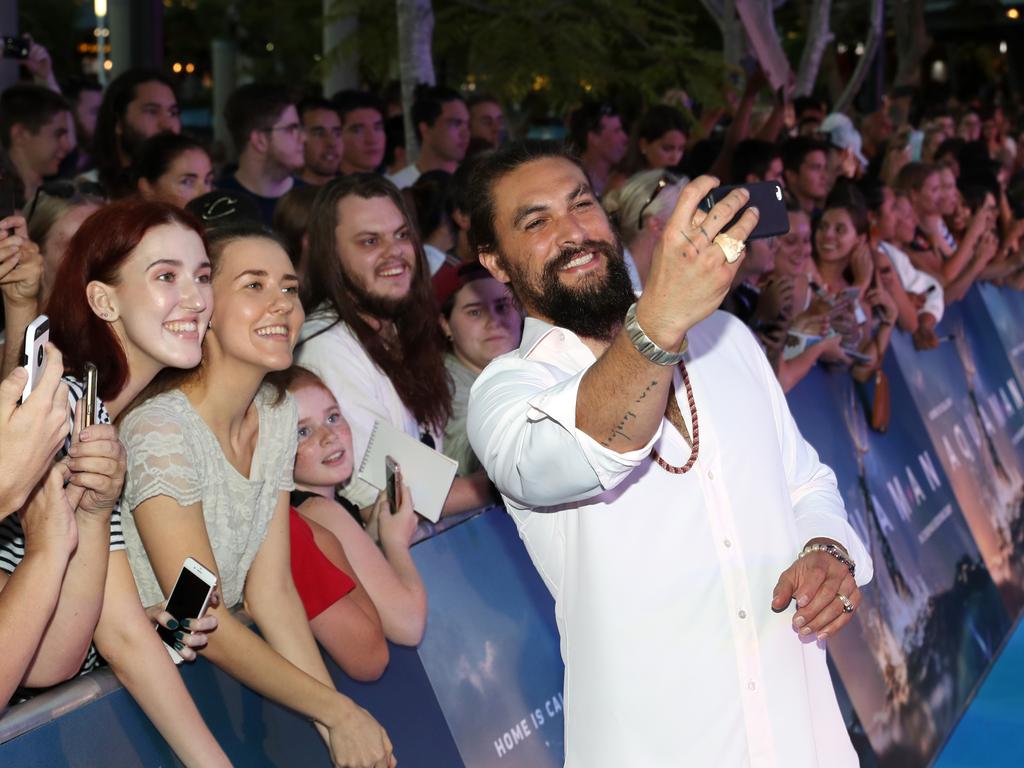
(663, 582)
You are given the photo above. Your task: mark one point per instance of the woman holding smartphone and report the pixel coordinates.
(846, 265)
(120, 302)
(209, 474)
(323, 462)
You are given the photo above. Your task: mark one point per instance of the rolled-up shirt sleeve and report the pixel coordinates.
(522, 425)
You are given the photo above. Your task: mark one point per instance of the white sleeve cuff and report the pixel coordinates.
(558, 403)
(818, 524)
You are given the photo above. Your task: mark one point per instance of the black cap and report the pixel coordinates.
(219, 209)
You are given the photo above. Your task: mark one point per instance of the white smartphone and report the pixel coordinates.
(33, 356)
(189, 599)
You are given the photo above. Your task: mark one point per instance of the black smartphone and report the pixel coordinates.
(767, 197)
(91, 379)
(393, 477)
(189, 599)
(16, 47)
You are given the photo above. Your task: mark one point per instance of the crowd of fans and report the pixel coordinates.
(252, 321)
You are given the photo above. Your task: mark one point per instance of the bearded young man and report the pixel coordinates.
(371, 330)
(661, 487)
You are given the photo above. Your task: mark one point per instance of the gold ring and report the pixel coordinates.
(731, 247)
(847, 603)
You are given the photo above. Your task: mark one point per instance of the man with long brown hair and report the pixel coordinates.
(371, 331)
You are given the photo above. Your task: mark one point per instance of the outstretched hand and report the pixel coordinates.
(816, 580)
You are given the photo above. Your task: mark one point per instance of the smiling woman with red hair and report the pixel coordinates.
(132, 297)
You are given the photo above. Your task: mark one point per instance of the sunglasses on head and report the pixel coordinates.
(65, 189)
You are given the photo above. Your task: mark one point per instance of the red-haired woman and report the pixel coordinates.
(132, 296)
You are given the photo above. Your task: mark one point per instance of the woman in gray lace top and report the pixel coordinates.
(209, 471)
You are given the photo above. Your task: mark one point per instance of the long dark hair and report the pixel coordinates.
(415, 365)
(106, 143)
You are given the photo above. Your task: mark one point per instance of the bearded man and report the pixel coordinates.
(371, 330)
(662, 489)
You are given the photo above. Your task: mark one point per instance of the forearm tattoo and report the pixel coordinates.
(620, 429)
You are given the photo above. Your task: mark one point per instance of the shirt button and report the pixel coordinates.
(743, 614)
(711, 475)
(751, 686)
(727, 542)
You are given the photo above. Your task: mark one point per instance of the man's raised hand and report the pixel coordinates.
(689, 274)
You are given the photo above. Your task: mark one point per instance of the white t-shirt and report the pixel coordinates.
(332, 350)
(405, 177)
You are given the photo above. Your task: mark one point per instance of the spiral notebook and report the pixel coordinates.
(428, 473)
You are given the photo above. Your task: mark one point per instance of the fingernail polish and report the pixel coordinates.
(179, 635)
(803, 600)
(799, 621)
(179, 646)
(172, 624)
(805, 631)
(186, 623)
(823, 636)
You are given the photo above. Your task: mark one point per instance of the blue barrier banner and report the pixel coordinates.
(932, 618)
(491, 647)
(971, 422)
(1006, 311)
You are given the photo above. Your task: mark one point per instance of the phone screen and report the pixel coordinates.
(188, 598)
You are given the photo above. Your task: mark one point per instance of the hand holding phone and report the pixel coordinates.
(189, 599)
(30, 433)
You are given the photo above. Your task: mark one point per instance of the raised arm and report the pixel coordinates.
(388, 574)
(96, 465)
(546, 440)
(622, 397)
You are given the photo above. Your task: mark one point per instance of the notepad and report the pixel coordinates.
(428, 473)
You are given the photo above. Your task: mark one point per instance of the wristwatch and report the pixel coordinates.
(646, 346)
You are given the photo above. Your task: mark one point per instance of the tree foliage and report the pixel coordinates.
(278, 40)
(560, 50)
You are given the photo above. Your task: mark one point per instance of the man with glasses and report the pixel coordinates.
(324, 141)
(270, 140)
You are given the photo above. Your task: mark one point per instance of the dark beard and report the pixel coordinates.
(378, 306)
(594, 310)
(131, 140)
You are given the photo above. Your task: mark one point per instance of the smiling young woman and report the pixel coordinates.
(132, 296)
(209, 473)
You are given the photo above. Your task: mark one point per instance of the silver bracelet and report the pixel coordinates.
(834, 551)
(646, 346)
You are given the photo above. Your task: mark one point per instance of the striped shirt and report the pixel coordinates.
(12, 538)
